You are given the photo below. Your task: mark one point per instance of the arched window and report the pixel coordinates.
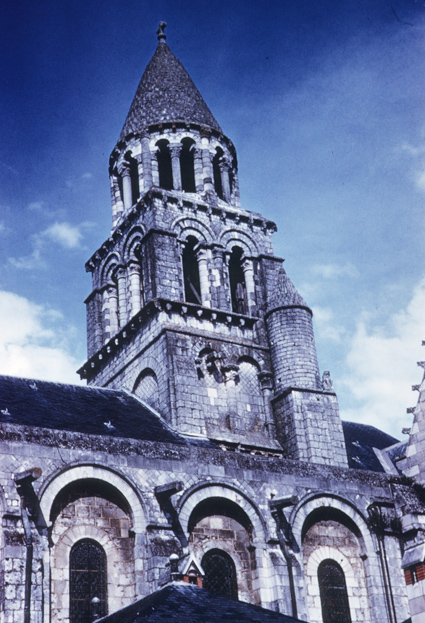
(187, 166)
(192, 286)
(134, 176)
(220, 573)
(218, 185)
(165, 170)
(237, 282)
(333, 593)
(87, 571)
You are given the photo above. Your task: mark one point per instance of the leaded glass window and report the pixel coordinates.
(87, 568)
(220, 573)
(333, 593)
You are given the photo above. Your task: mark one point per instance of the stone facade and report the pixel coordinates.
(231, 443)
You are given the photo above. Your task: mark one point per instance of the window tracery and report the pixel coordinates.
(220, 573)
(333, 593)
(87, 570)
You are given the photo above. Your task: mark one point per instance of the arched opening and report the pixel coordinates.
(237, 282)
(146, 388)
(187, 166)
(329, 535)
(134, 177)
(218, 185)
(192, 286)
(87, 581)
(220, 573)
(221, 536)
(333, 593)
(165, 170)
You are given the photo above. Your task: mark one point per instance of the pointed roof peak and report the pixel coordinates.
(166, 93)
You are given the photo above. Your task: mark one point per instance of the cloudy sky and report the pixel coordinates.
(325, 104)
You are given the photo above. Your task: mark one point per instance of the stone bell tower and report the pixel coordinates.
(190, 310)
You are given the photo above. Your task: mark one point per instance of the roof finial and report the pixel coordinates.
(160, 32)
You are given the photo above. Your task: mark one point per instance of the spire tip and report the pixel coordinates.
(160, 32)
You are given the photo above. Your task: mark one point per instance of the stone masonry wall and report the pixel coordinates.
(134, 470)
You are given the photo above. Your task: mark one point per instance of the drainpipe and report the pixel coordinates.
(24, 482)
(286, 541)
(379, 528)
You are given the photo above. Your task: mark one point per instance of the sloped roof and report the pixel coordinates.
(181, 602)
(166, 93)
(90, 410)
(360, 439)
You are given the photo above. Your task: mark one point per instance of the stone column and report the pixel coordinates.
(248, 271)
(134, 287)
(225, 182)
(138, 159)
(126, 186)
(155, 168)
(122, 296)
(110, 311)
(235, 189)
(175, 151)
(146, 162)
(204, 283)
(197, 164)
(266, 383)
(207, 167)
(117, 204)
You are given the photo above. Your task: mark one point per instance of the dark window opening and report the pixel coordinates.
(165, 170)
(87, 569)
(134, 176)
(217, 173)
(192, 286)
(220, 573)
(333, 593)
(237, 282)
(415, 574)
(187, 166)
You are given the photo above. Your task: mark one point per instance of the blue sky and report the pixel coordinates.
(325, 105)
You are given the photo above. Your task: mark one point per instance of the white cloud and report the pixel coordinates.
(36, 205)
(32, 261)
(382, 367)
(32, 341)
(87, 176)
(68, 236)
(420, 180)
(326, 325)
(333, 271)
(64, 234)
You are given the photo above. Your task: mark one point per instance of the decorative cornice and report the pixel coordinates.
(153, 308)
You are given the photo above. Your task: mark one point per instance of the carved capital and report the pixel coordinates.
(175, 150)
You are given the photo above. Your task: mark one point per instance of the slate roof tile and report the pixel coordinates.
(360, 439)
(90, 410)
(166, 93)
(181, 602)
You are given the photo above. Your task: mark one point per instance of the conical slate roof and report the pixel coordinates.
(166, 93)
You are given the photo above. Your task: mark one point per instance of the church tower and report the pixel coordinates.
(190, 310)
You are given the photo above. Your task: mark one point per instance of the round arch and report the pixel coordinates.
(185, 227)
(132, 240)
(323, 501)
(57, 482)
(235, 238)
(108, 267)
(202, 492)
